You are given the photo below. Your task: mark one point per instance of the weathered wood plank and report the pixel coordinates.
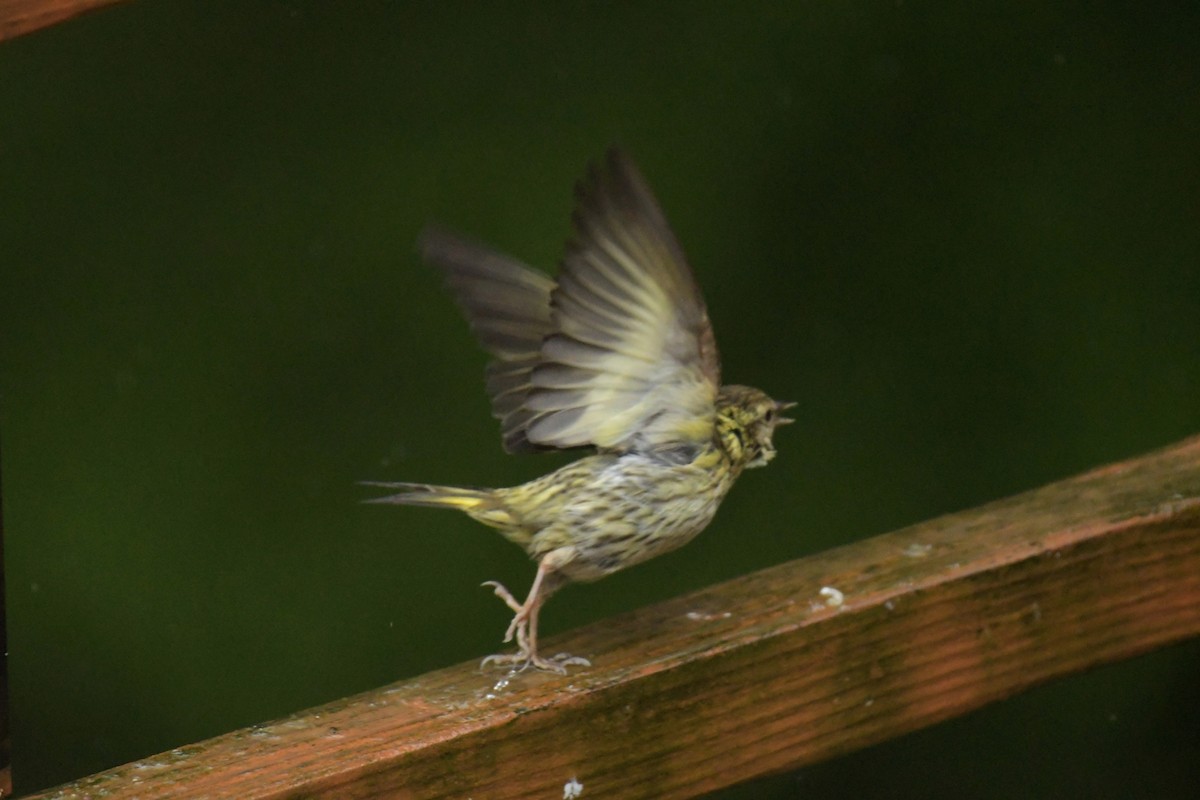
(762, 673)
(18, 17)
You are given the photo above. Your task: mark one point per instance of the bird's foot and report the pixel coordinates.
(504, 594)
(523, 660)
(521, 616)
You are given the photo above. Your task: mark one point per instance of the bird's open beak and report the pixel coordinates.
(779, 409)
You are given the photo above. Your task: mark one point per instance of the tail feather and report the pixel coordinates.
(423, 494)
(483, 505)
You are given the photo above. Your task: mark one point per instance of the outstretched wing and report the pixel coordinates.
(620, 353)
(507, 305)
(632, 363)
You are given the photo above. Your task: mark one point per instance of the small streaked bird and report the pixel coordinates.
(616, 355)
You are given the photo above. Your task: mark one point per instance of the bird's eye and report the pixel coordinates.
(770, 415)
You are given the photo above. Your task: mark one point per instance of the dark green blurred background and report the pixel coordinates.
(967, 242)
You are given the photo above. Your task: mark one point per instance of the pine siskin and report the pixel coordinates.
(617, 355)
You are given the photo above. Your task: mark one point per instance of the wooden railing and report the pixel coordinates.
(18, 17)
(764, 673)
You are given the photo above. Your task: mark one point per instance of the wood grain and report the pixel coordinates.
(762, 673)
(18, 17)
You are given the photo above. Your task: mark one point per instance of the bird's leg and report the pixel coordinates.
(519, 620)
(519, 626)
(524, 623)
(557, 663)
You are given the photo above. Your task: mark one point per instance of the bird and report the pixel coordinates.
(616, 354)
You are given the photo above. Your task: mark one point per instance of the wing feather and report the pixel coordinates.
(619, 354)
(507, 305)
(636, 366)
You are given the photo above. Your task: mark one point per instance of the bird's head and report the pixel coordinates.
(746, 422)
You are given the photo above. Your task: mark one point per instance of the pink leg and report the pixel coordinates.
(525, 619)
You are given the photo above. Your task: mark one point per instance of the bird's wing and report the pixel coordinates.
(631, 363)
(619, 354)
(507, 305)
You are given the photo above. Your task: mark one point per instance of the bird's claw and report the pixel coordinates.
(504, 594)
(523, 660)
(521, 614)
(524, 628)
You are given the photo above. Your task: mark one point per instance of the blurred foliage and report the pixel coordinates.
(966, 241)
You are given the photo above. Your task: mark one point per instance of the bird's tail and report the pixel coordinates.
(481, 504)
(423, 494)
